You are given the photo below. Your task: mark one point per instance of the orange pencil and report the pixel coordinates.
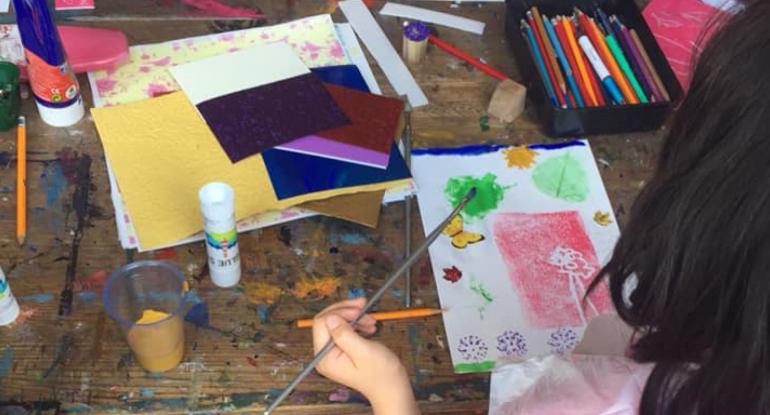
(569, 31)
(21, 180)
(549, 51)
(588, 97)
(593, 33)
(387, 315)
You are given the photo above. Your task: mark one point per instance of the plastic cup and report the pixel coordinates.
(146, 299)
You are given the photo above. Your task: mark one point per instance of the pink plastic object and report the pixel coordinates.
(88, 49)
(91, 49)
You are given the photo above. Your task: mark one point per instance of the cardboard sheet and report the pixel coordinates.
(361, 208)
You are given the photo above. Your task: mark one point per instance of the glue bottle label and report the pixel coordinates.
(223, 253)
(51, 84)
(9, 308)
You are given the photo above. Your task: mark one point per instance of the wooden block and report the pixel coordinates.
(507, 101)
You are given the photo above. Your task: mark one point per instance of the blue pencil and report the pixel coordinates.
(540, 62)
(564, 62)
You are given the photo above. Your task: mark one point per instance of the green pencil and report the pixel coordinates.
(618, 53)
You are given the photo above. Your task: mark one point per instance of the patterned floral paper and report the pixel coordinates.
(314, 39)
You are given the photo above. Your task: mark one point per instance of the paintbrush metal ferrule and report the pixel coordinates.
(434, 234)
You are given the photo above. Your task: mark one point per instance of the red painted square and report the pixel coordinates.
(551, 262)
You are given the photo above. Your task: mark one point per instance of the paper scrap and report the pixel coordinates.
(431, 16)
(356, 55)
(383, 52)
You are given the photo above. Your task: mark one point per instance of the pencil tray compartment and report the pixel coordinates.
(569, 122)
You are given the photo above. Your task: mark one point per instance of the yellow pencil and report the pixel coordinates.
(387, 315)
(21, 180)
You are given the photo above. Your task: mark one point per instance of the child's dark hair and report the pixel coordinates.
(697, 244)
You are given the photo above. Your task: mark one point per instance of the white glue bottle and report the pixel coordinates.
(9, 308)
(218, 208)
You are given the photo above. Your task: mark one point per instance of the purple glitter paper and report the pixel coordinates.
(250, 121)
(416, 31)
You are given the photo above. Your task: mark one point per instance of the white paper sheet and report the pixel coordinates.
(357, 56)
(220, 75)
(379, 46)
(430, 16)
(546, 227)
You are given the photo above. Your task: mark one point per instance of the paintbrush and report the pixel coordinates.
(375, 298)
(407, 141)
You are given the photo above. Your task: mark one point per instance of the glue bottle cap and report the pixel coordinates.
(217, 201)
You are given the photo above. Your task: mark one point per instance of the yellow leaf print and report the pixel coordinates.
(520, 157)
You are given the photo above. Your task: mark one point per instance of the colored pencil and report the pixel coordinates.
(637, 64)
(549, 51)
(541, 48)
(533, 48)
(559, 29)
(650, 66)
(477, 63)
(387, 315)
(620, 58)
(600, 68)
(564, 62)
(612, 64)
(600, 45)
(596, 83)
(582, 67)
(21, 180)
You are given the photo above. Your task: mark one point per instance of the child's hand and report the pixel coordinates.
(364, 365)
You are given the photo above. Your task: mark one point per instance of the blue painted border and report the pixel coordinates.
(475, 150)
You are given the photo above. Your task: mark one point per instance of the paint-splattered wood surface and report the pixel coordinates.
(247, 350)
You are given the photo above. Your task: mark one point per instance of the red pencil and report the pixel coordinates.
(559, 29)
(551, 76)
(468, 58)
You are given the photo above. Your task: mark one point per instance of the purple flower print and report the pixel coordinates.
(563, 340)
(512, 343)
(472, 348)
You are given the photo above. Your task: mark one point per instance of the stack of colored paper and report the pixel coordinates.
(335, 154)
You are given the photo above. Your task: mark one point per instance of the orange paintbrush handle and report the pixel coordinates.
(21, 180)
(387, 315)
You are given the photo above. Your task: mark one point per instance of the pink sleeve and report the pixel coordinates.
(571, 385)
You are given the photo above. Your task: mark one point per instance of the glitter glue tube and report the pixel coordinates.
(9, 308)
(54, 85)
(218, 208)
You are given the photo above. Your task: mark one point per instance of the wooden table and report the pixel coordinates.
(248, 352)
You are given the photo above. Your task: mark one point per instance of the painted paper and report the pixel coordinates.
(177, 154)
(678, 27)
(293, 174)
(314, 39)
(367, 141)
(251, 106)
(513, 267)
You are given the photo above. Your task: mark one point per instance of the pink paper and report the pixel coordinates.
(551, 262)
(677, 26)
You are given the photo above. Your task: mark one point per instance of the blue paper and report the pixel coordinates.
(343, 75)
(295, 174)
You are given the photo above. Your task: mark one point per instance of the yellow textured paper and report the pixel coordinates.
(162, 152)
